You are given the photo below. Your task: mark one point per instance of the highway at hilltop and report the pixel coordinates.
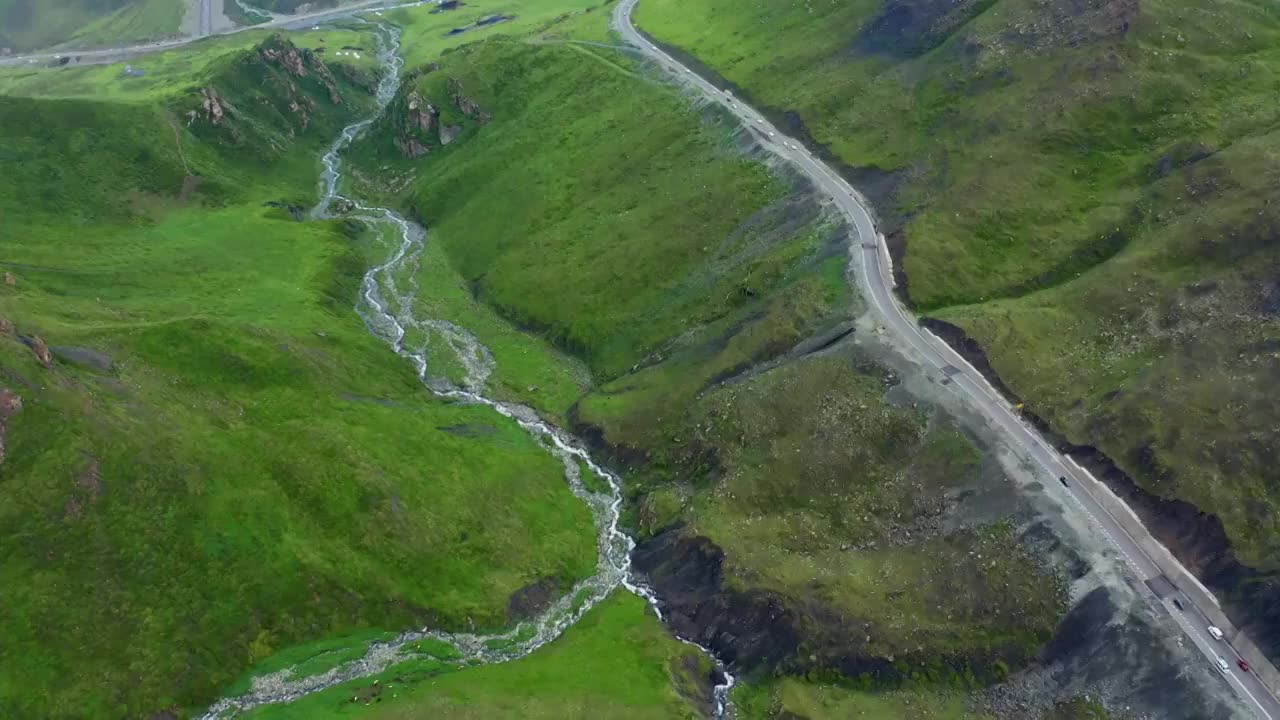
(875, 278)
(205, 29)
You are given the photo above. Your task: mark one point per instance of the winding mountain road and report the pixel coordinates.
(1148, 560)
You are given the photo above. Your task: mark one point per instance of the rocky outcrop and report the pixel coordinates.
(421, 114)
(6, 327)
(300, 63)
(214, 111)
(532, 599)
(278, 77)
(287, 57)
(420, 128)
(40, 349)
(412, 147)
(748, 630)
(465, 104)
(10, 280)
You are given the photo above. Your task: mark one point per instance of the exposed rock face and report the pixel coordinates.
(466, 104)
(10, 405)
(6, 327)
(412, 147)
(422, 114)
(278, 75)
(41, 350)
(300, 63)
(288, 57)
(532, 599)
(421, 128)
(212, 105)
(747, 630)
(10, 280)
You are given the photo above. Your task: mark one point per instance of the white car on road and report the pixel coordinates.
(1222, 665)
(1215, 633)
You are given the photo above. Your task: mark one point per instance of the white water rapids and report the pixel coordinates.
(388, 312)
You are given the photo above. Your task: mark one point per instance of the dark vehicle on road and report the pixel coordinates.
(1244, 664)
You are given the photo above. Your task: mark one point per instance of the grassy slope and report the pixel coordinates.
(1051, 156)
(789, 698)
(254, 469)
(813, 461)
(823, 495)
(612, 279)
(617, 662)
(826, 702)
(427, 33)
(629, 229)
(29, 25)
(550, 257)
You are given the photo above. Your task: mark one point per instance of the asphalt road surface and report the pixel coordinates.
(205, 29)
(206, 19)
(876, 280)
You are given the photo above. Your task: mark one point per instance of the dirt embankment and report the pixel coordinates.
(757, 631)
(1198, 539)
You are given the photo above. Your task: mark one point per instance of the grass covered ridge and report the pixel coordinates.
(1072, 194)
(215, 461)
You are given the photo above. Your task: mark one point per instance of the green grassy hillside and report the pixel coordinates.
(1083, 188)
(559, 224)
(32, 24)
(617, 662)
(639, 231)
(211, 459)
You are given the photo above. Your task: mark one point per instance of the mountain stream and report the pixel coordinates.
(388, 311)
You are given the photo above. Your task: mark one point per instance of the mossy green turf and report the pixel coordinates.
(1053, 157)
(254, 470)
(29, 25)
(617, 662)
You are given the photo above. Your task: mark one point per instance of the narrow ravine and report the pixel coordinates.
(388, 311)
